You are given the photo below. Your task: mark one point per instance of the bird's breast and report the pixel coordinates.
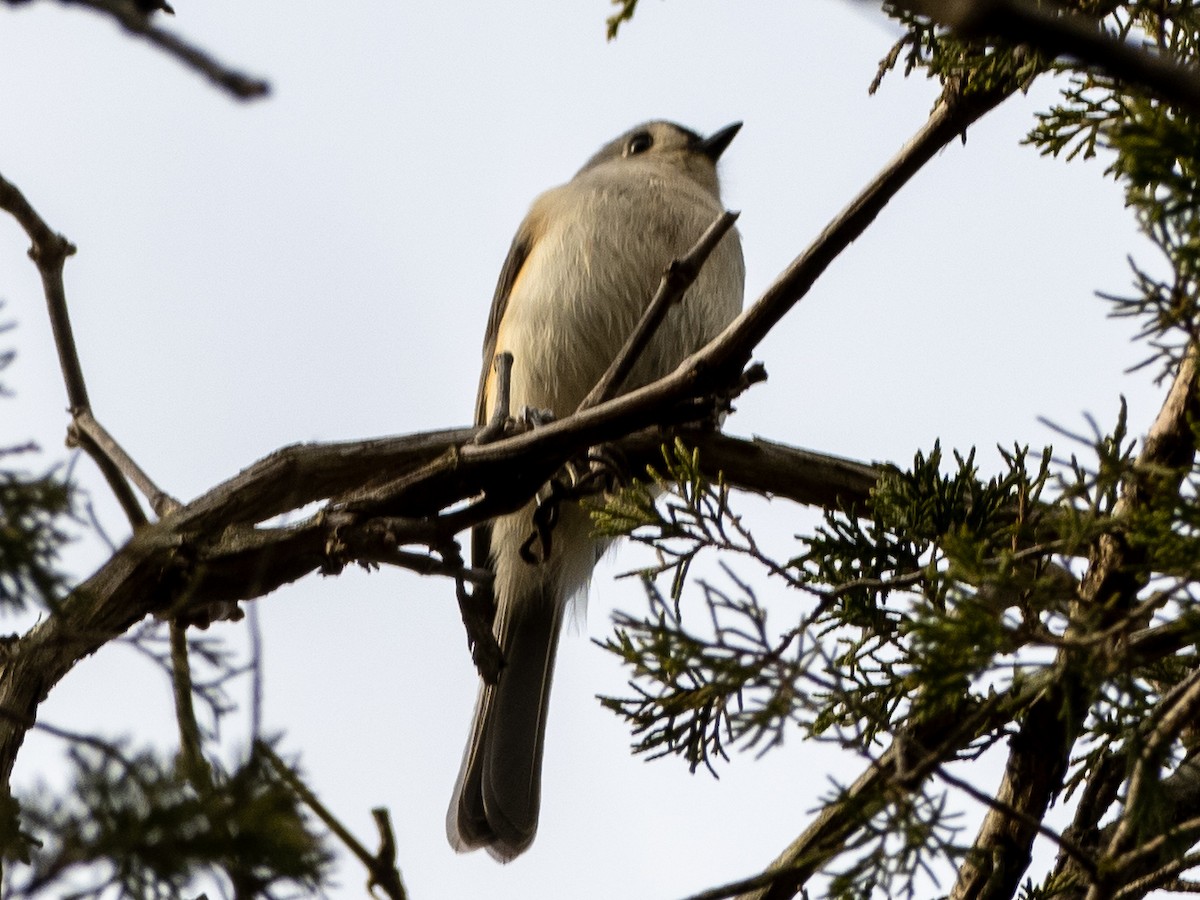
(590, 275)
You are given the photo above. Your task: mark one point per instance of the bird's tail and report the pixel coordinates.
(496, 800)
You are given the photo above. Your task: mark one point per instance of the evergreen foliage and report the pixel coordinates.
(954, 613)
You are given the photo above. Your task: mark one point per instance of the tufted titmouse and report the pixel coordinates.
(581, 270)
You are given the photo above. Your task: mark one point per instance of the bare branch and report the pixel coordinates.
(85, 429)
(191, 741)
(909, 759)
(1160, 878)
(381, 867)
(138, 23)
(49, 251)
(949, 119)
(1081, 858)
(741, 887)
(767, 467)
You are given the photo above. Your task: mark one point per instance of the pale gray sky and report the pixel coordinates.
(319, 265)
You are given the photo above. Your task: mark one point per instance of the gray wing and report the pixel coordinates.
(468, 820)
(518, 253)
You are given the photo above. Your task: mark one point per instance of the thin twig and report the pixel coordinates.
(676, 279)
(1177, 835)
(191, 742)
(256, 672)
(107, 748)
(1070, 848)
(737, 888)
(1142, 886)
(385, 859)
(237, 84)
(49, 251)
(381, 867)
(949, 119)
(84, 423)
(501, 408)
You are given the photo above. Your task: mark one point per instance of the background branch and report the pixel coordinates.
(1056, 31)
(139, 24)
(381, 866)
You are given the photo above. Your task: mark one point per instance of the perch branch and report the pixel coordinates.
(86, 431)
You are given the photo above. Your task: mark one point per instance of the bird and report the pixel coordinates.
(581, 270)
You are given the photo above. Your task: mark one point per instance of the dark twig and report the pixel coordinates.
(384, 873)
(1056, 31)
(730, 351)
(84, 423)
(136, 22)
(676, 279)
(191, 742)
(740, 887)
(501, 409)
(1160, 878)
(381, 867)
(109, 749)
(49, 251)
(1068, 847)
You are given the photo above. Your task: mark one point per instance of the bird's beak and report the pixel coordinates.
(714, 145)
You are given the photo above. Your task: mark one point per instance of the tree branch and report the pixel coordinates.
(1055, 31)
(131, 19)
(49, 251)
(210, 552)
(911, 758)
(381, 867)
(954, 112)
(1149, 865)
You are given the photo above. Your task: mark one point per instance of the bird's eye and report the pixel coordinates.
(639, 143)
